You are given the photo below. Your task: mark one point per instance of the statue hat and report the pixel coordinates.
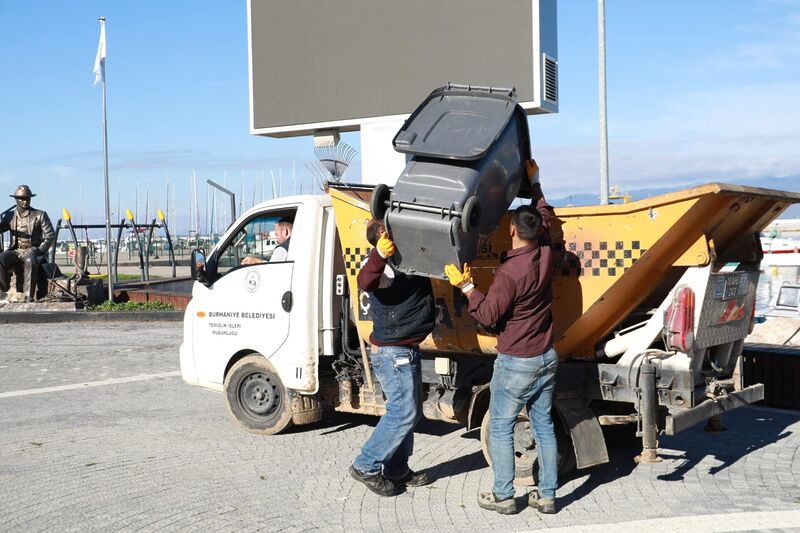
(22, 191)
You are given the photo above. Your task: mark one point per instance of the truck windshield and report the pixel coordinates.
(253, 243)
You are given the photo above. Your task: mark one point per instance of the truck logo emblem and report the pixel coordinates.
(252, 280)
(364, 306)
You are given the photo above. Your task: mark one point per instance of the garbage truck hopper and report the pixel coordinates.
(615, 257)
(610, 259)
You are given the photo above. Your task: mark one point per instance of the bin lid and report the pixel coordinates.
(457, 122)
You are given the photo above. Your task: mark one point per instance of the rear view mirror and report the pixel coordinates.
(198, 265)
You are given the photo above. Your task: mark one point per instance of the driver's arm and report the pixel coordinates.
(252, 260)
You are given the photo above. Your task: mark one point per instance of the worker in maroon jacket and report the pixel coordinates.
(402, 316)
(518, 304)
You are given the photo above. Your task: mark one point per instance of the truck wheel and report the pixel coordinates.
(377, 204)
(255, 397)
(526, 459)
(471, 214)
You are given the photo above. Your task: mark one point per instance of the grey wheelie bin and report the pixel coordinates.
(467, 146)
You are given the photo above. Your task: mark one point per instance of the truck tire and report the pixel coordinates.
(526, 460)
(256, 398)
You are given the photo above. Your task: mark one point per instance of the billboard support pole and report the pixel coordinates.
(380, 163)
(601, 48)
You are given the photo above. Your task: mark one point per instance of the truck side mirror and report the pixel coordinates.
(198, 265)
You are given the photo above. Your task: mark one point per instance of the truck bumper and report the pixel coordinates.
(679, 421)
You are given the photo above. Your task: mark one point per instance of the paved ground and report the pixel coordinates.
(137, 449)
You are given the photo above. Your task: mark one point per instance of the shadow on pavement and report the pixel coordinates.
(437, 428)
(621, 464)
(474, 434)
(458, 465)
(336, 422)
(748, 431)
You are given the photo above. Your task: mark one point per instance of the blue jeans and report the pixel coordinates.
(392, 442)
(519, 382)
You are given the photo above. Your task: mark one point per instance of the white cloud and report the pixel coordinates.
(158, 162)
(63, 171)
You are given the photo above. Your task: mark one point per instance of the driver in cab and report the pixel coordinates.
(283, 234)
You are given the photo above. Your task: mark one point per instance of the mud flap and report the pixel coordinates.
(478, 405)
(585, 431)
(305, 409)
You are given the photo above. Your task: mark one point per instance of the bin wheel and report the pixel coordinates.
(256, 398)
(377, 204)
(526, 458)
(471, 214)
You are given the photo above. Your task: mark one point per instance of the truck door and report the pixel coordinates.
(247, 307)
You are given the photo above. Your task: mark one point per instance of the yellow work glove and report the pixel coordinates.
(532, 169)
(462, 280)
(385, 246)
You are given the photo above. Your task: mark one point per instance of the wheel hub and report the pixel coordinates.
(525, 452)
(523, 437)
(525, 456)
(259, 394)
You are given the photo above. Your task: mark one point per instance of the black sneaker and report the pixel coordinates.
(413, 479)
(374, 482)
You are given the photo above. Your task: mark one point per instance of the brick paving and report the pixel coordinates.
(159, 455)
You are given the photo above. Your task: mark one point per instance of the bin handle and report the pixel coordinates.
(405, 138)
(487, 89)
(448, 211)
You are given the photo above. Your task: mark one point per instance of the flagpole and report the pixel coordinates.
(105, 180)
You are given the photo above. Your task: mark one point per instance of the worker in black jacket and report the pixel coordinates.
(402, 316)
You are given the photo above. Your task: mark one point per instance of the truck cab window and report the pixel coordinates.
(260, 239)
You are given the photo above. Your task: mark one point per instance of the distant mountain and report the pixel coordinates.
(791, 184)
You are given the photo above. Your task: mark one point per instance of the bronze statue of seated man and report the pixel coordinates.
(32, 235)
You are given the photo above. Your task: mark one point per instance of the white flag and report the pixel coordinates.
(100, 60)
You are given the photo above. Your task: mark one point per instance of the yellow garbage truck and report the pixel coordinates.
(652, 302)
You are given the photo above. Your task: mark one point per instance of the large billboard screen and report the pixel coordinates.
(336, 63)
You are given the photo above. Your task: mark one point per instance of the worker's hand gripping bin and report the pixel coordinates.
(467, 147)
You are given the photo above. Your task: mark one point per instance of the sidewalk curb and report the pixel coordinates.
(43, 317)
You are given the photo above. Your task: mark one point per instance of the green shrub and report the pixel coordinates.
(132, 306)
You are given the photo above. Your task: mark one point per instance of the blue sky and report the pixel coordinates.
(698, 92)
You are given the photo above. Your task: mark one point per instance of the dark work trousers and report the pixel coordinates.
(10, 260)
